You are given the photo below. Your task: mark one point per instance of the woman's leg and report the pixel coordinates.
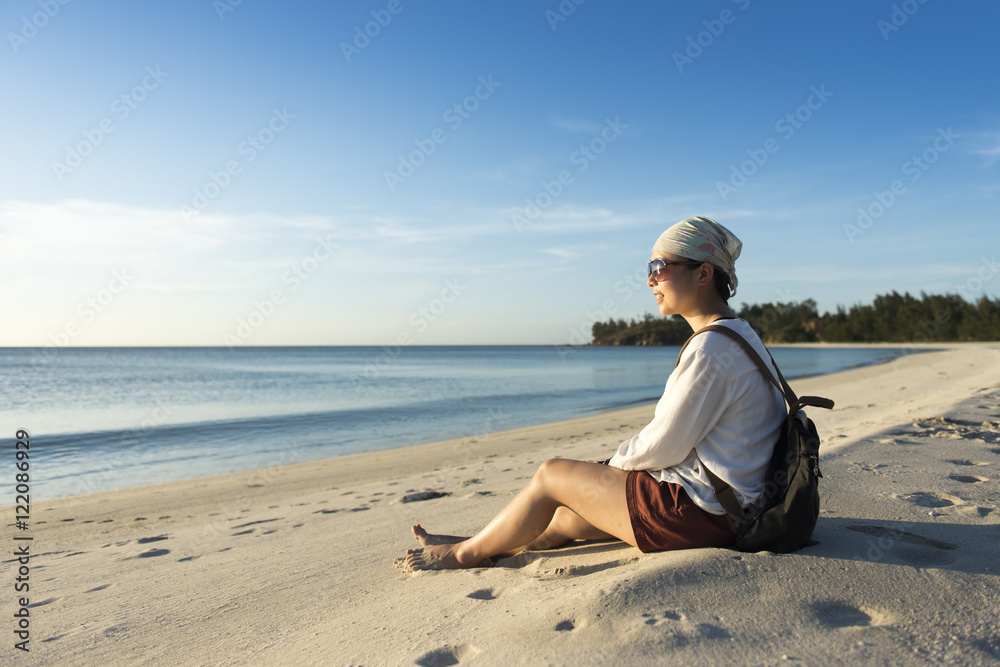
(566, 526)
(594, 492)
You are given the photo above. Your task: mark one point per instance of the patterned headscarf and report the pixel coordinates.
(704, 240)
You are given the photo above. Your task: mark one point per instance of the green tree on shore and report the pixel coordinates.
(891, 318)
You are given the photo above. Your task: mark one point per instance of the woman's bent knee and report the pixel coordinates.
(553, 469)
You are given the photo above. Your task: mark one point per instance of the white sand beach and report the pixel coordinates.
(293, 564)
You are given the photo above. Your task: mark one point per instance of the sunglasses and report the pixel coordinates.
(659, 268)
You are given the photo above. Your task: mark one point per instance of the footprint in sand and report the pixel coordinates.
(908, 547)
(565, 626)
(670, 618)
(837, 614)
(976, 511)
(709, 631)
(668, 615)
(43, 602)
(902, 536)
(254, 523)
(429, 494)
(153, 553)
(968, 479)
(147, 540)
(447, 655)
(925, 499)
(966, 462)
(483, 594)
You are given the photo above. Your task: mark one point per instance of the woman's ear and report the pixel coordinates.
(706, 274)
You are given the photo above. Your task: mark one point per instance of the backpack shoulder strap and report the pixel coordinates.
(795, 403)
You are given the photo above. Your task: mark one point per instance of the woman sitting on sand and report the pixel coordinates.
(717, 411)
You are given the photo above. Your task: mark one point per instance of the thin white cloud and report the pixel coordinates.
(576, 251)
(574, 124)
(66, 242)
(986, 145)
(564, 253)
(569, 217)
(524, 167)
(186, 287)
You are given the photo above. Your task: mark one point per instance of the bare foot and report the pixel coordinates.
(428, 540)
(440, 557)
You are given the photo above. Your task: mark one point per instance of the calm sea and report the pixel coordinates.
(108, 418)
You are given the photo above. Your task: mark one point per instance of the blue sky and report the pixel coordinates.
(222, 173)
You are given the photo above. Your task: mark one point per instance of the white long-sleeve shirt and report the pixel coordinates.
(718, 410)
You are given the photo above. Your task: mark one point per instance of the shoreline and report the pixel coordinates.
(293, 564)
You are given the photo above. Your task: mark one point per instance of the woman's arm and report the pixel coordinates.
(695, 397)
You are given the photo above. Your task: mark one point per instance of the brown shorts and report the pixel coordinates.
(664, 517)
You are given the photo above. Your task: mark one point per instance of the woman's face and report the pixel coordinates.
(678, 290)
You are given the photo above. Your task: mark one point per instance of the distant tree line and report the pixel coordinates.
(891, 318)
